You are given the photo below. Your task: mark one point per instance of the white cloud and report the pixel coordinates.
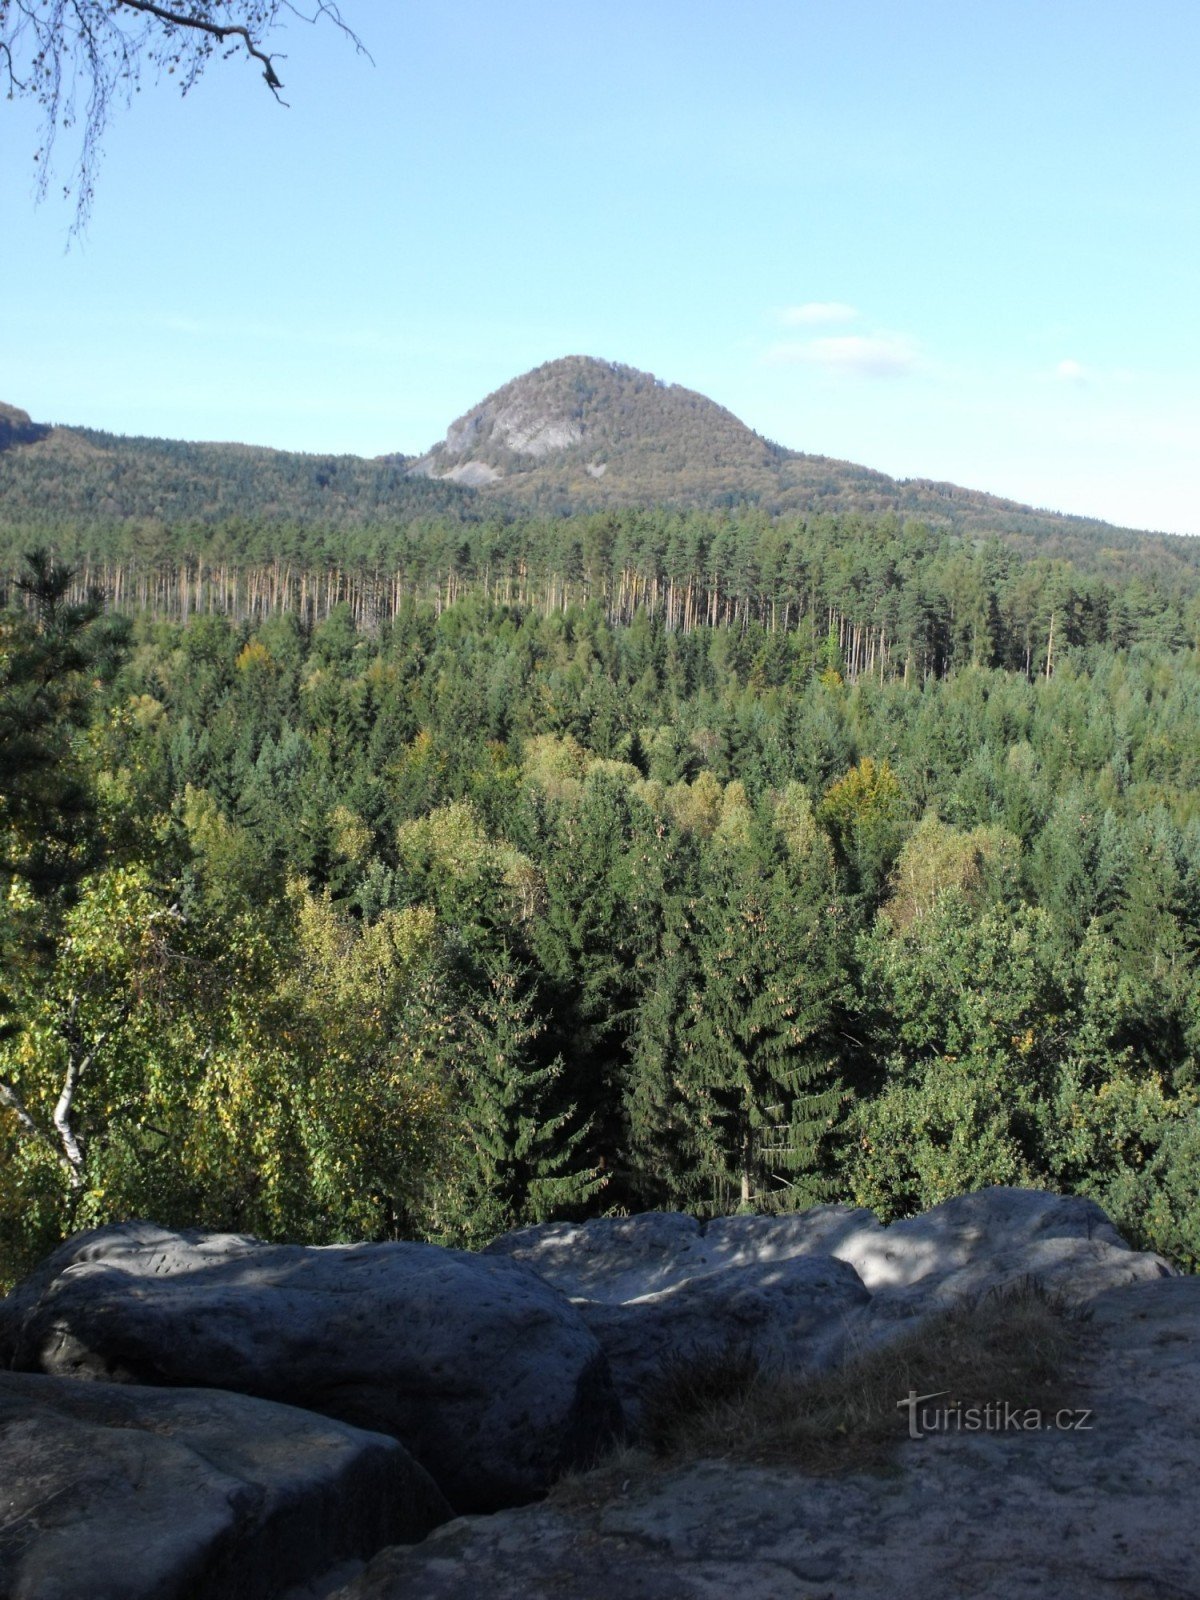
(817, 314)
(883, 356)
(1070, 371)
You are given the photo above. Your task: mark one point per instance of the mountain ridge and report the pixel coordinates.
(577, 434)
(574, 435)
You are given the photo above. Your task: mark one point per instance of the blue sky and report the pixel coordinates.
(950, 240)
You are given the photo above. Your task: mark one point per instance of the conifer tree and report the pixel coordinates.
(761, 1021)
(521, 1151)
(46, 650)
(668, 1122)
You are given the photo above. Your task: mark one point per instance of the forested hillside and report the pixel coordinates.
(903, 599)
(573, 437)
(874, 876)
(579, 434)
(83, 485)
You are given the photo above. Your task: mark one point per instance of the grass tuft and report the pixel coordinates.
(1012, 1345)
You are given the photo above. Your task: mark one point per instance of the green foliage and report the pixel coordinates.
(759, 1036)
(518, 1157)
(974, 1020)
(49, 650)
(496, 913)
(865, 815)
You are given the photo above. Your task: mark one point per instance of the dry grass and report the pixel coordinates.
(1013, 1346)
(624, 1467)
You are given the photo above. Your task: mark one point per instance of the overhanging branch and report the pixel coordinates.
(220, 31)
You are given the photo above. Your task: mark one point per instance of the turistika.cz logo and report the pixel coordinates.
(997, 1416)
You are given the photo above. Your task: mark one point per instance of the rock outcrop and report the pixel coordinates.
(484, 1371)
(497, 1371)
(1101, 1511)
(793, 1314)
(122, 1493)
(798, 1290)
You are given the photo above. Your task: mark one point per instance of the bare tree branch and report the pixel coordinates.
(219, 31)
(15, 84)
(76, 59)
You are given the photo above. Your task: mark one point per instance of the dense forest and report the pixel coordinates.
(640, 859)
(905, 599)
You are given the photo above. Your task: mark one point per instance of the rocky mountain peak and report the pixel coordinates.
(573, 422)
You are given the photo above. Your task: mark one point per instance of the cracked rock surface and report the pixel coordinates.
(480, 1368)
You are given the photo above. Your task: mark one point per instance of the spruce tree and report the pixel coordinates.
(521, 1151)
(761, 1025)
(668, 1121)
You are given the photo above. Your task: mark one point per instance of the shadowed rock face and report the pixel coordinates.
(494, 1369)
(789, 1315)
(119, 1493)
(485, 1372)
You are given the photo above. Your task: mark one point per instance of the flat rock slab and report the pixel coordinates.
(117, 1493)
(486, 1373)
(1106, 1513)
(967, 1238)
(615, 1260)
(618, 1260)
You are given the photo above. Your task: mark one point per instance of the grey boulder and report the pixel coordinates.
(800, 1290)
(1100, 1506)
(661, 1287)
(481, 1369)
(619, 1260)
(992, 1240)
(788, 1316)
(184, 1494)
(979, 1238)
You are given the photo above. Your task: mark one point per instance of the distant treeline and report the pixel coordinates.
(897, 598)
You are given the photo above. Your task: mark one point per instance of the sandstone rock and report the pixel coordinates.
(979, 1243)
(618, 1259)
(621, 1259)
(611, 1259)
(119, 1493)
(661, 1286)
(1102, 1511)
(788, 1315)
(486, 1373)
(973, 1231)
(794, 1289)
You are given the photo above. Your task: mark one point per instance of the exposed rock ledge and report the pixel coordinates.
(108, 1492)
(1103, 1514)
(799, 1290)
(498, 1371)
